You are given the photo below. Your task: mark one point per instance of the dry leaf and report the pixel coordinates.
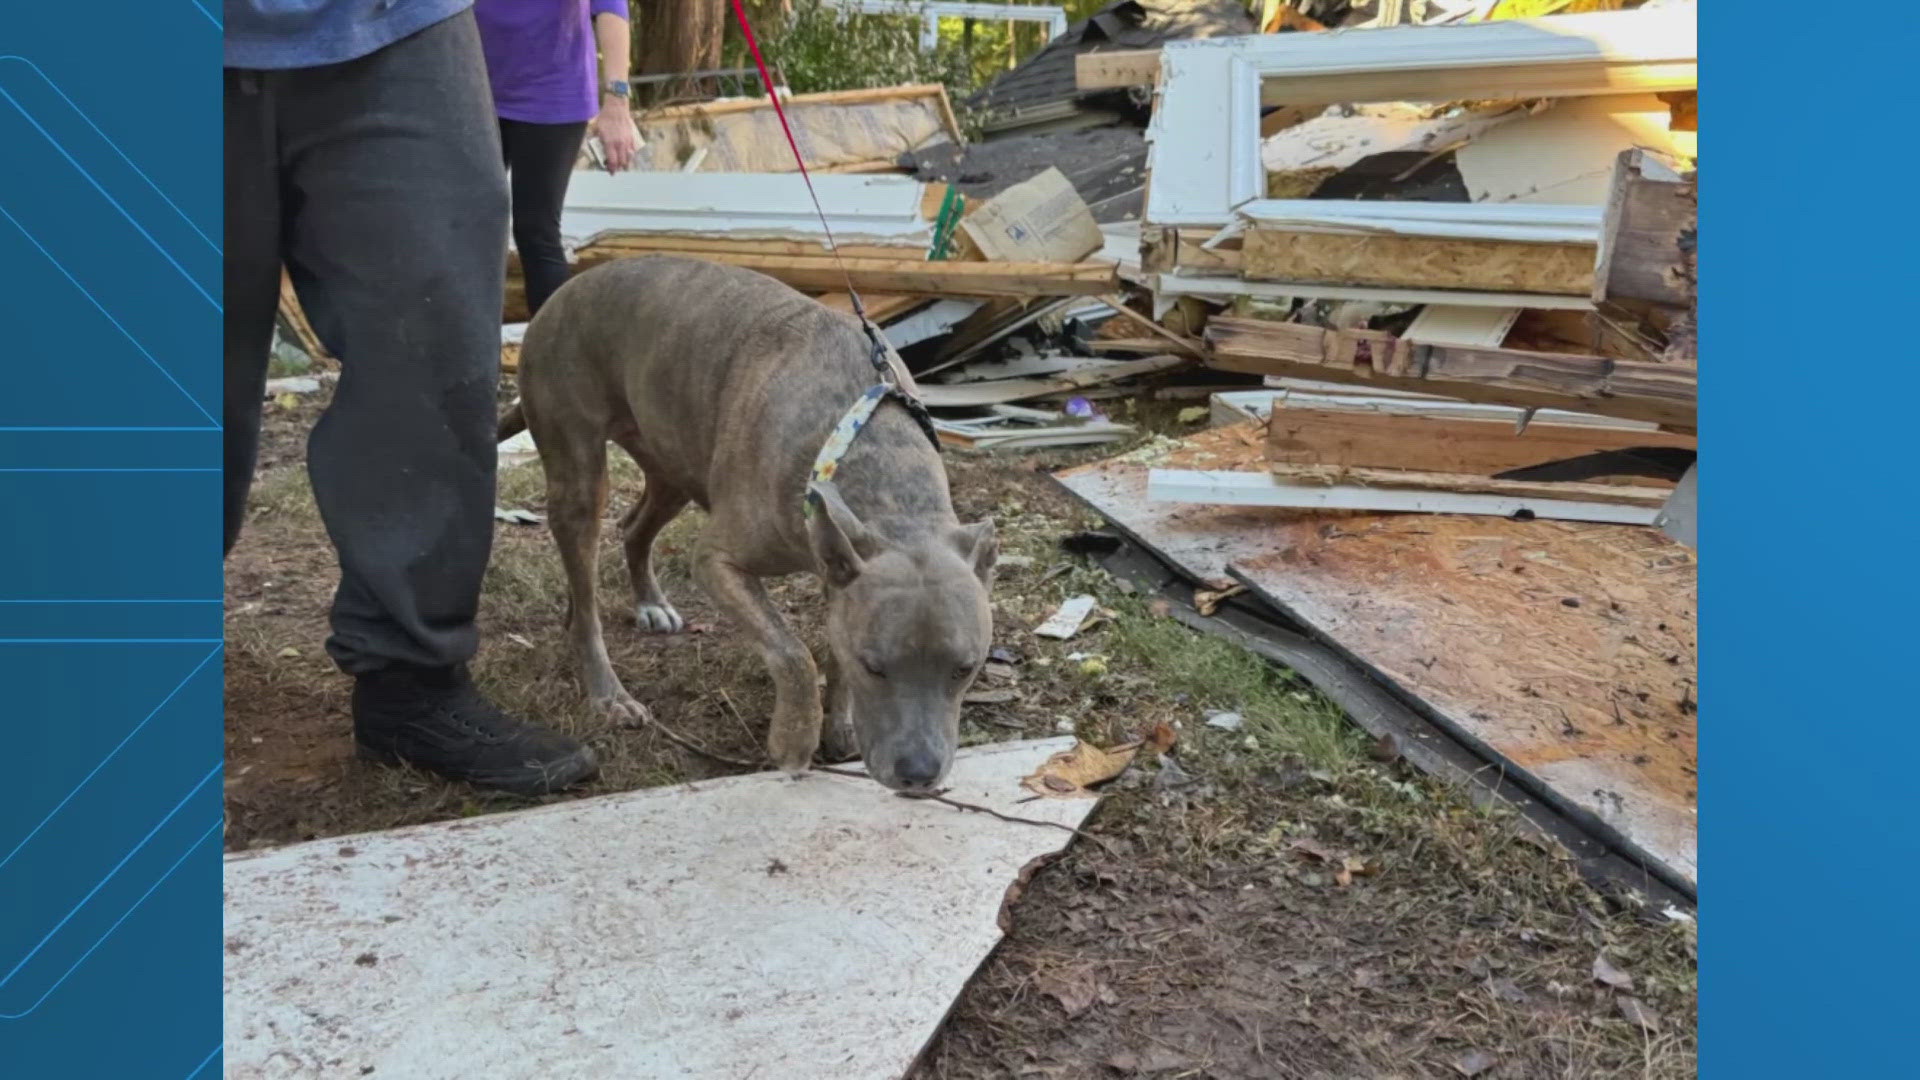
(1075, 991)
(1207, 601)
(289, 653)
(1160, 609)
(1608, 975)
(1636, 1010)
(1161, 738)
(1005, 918)
(1313, 849)
(1079, 768)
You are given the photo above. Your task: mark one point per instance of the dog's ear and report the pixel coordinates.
(980, 546)
(840, 542)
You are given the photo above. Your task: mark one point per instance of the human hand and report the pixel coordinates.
(619, 138)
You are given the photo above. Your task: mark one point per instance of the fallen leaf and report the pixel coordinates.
(1160, 609)
(1079, 768)
(516, 516)
(1313, 849)
(1608, 975)
(289, 653)
(1350, 867)
(1161, 738)
(1193, 414)
(1075, 991)
(1635, 1010)
(1207, 601)
(1473, 1063)
(998, 672)
(287, 401)
(1019, 885)
(1093, 665)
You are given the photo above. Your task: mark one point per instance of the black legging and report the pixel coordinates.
(540, 161)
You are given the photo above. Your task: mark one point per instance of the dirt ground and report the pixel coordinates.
(1269, 900)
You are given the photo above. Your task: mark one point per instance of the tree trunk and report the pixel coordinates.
(676, 36)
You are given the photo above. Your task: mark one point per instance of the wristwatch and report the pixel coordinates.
(617, 87)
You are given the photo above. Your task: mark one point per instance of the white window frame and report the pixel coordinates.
(1198, 178)
(932, 12)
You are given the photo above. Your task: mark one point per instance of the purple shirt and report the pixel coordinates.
(541, 57)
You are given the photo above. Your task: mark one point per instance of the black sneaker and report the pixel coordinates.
(437, 720)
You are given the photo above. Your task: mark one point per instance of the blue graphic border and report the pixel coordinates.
(110, 579)
(1808, 734)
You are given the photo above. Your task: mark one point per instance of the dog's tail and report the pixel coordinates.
(512, 422)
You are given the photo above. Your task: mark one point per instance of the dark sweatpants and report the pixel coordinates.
(540, 161)
(378, 183)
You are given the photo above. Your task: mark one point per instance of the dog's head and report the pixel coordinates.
(909, 626)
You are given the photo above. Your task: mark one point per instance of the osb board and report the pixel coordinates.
(1594, 700)
(832, 130)
(1426, 262)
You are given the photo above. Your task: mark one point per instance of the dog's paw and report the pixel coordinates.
(658, 619)
(622, 710)
(838, 743)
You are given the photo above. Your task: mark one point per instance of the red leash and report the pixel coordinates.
(766, 79)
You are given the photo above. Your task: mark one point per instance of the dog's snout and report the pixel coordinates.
(918, 769)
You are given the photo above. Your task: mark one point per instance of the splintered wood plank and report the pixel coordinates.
(1593, 699)
(1116, 69)
(1663, 393)
(1269, 254)
(1650, 236)
(823, 273)
(1379, 439)
(624, 245)
(879, 306)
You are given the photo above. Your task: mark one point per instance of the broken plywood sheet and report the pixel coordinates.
(834, 130)
(1567, 648)
(1566, 154)
(1595, 702)
(729, 928)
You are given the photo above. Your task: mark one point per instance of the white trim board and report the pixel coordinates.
(1480, 328)
(1227, 488)
(1226, 288)
(1521, 222)
(1200, 178)
(1451, 410)
(859, 207)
